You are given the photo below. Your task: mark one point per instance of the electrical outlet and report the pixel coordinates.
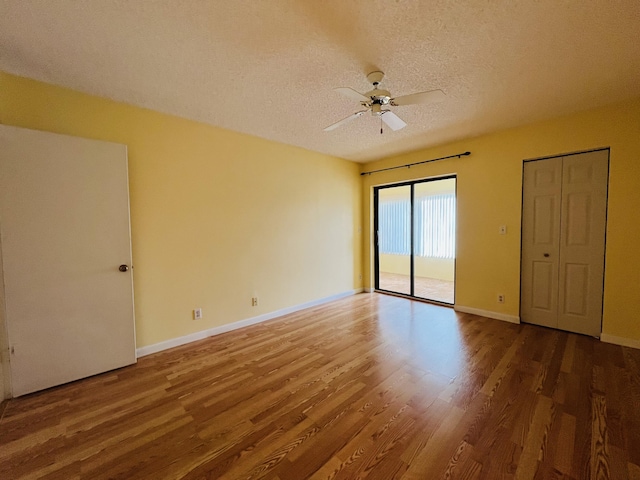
(500, 298)
(254, 301)
(197, 314)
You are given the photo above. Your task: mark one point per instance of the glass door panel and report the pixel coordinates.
(434, 227)
(394, 239)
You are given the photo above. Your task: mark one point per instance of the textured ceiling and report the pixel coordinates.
(268, 67)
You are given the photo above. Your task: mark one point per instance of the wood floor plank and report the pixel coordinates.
(630, 399)
(618, 463)
(462, 465)
(371, 386)
(565, 443)
(567, 356)
(599, 441)
(506, 362)
(436, 448)
(533, 445)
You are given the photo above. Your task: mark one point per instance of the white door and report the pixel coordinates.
(563, 241)
(582, 238)
(64, 224)
(541, 241)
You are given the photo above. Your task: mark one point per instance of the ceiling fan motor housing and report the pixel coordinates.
(381, 96)
(378, 98)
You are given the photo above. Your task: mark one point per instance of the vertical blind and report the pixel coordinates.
(435, 226)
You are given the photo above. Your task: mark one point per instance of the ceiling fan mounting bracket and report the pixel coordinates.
(375, 77)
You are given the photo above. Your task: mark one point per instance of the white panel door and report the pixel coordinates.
(64, 223)
(563, 241)
(582, 237)
(541, 241)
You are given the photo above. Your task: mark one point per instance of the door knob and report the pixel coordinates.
(546, 255)
(123, 268)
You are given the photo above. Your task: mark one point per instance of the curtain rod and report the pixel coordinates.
(409, 165)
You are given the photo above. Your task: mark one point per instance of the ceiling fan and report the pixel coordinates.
(378, 99)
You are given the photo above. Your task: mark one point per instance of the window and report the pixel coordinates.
(435, 220)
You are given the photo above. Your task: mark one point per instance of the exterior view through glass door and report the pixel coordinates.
(415, 225)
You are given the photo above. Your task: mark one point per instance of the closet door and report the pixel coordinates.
(542, 195)
(582, 237)
(563, 241)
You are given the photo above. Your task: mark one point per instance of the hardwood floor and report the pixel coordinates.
(428, 288)
(370, 386)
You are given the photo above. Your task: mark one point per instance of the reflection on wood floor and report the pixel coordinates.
(429, 288)
(370, 386)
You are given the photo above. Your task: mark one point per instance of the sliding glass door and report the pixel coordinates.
(415, 225)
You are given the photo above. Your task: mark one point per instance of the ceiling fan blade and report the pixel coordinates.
(345, 120)
(392, 120)
(352, 94)
(432, 96)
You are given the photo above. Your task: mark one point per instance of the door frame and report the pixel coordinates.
(606, 219)
(376, 252)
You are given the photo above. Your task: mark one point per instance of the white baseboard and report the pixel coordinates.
(486, 313)
(625, 342)
(369, 290)
(192, 337)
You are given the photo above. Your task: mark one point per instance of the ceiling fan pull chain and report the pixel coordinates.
(380, 124)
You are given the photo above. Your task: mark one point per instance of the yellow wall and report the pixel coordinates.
(217, 217)
(489, 195)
